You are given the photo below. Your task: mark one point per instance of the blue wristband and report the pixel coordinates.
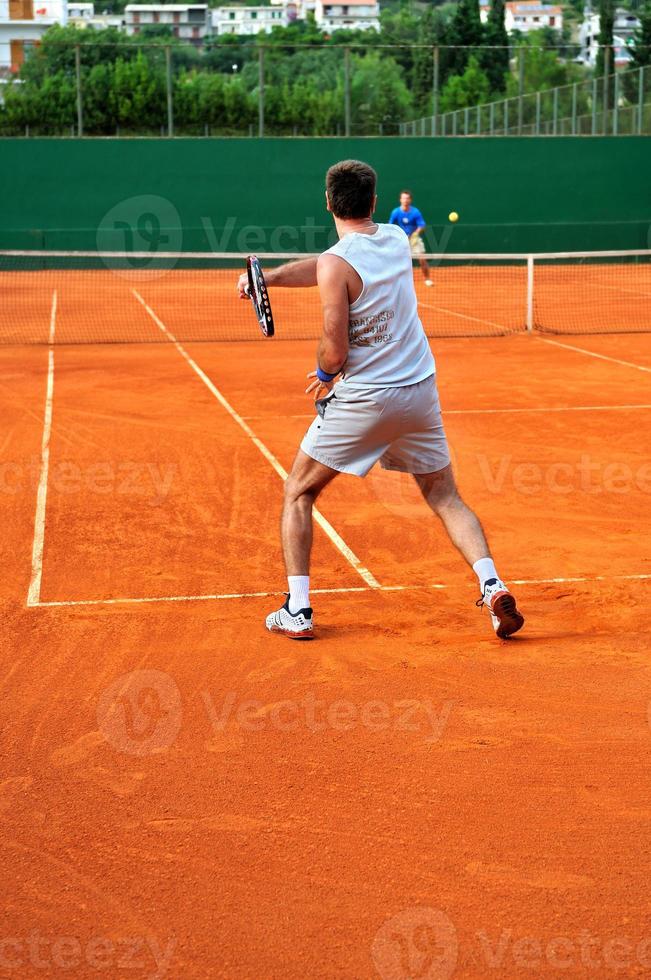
(324, 376)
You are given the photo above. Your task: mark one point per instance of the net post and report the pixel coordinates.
(435, 89)
(640, 99)
(260, 92)
(529, 293)
(347, 93)
(80, 106)
(168, 82)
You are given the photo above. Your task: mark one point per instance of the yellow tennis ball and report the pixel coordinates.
(453, 216)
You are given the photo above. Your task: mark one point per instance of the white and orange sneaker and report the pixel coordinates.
(501, 605)
(297, 626)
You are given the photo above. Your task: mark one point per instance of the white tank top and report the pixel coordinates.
(388, 346)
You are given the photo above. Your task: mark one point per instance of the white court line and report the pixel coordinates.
(323, 523)
(464, 316)
(34, 591)
(591, 353)
(489, 411)
(361, 588)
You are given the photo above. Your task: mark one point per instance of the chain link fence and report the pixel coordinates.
(614, 104)
(250, 88)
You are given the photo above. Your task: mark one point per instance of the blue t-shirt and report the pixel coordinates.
(409, 220)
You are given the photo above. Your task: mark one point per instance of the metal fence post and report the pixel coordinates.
(260, 92)
(594, 106)
(574, 97)
(538, 112)
(491, 120)
(606, 93)
(466, 120)
(506, 117)
(555, 111)
(170, 103)
(478, 129)
(640, 100)
(616, 105)
(520, 87)
(347, 92)
(80, 107)
(435, 90)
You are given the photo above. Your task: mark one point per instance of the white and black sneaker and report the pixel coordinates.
(501, 605)
(297, 626)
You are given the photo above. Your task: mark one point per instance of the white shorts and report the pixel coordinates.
(401, 427)
(417, 245)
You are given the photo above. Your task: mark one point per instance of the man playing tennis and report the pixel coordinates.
(384, 406)
(412, 223)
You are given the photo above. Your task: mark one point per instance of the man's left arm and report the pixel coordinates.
(420, 223)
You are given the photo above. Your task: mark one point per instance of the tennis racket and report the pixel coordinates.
(257, 291)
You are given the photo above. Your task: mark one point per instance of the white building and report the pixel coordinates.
(249, 20)
(22, 24)
(347, 15)
(525, 16)
(80, 14)
(188, 21)
(624, 27)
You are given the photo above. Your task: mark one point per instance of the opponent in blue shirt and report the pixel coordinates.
(412, 223)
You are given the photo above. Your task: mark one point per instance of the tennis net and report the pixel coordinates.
(93, 297)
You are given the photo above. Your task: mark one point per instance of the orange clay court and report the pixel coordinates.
(185, 795)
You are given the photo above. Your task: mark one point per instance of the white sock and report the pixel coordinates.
(484, 569)
(299, 592)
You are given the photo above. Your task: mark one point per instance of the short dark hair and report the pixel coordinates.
(405, 191)
(351, 189)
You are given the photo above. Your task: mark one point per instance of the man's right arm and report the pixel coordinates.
(297, 274)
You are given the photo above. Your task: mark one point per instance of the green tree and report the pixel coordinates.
(465, 31)
(422, 75)
(469, 89)
(138, 97)
(495, 60)
(605, 39)
(642, 50)
(379, 95)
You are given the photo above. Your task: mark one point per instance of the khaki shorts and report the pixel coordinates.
(417, 245)
(401, 427)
